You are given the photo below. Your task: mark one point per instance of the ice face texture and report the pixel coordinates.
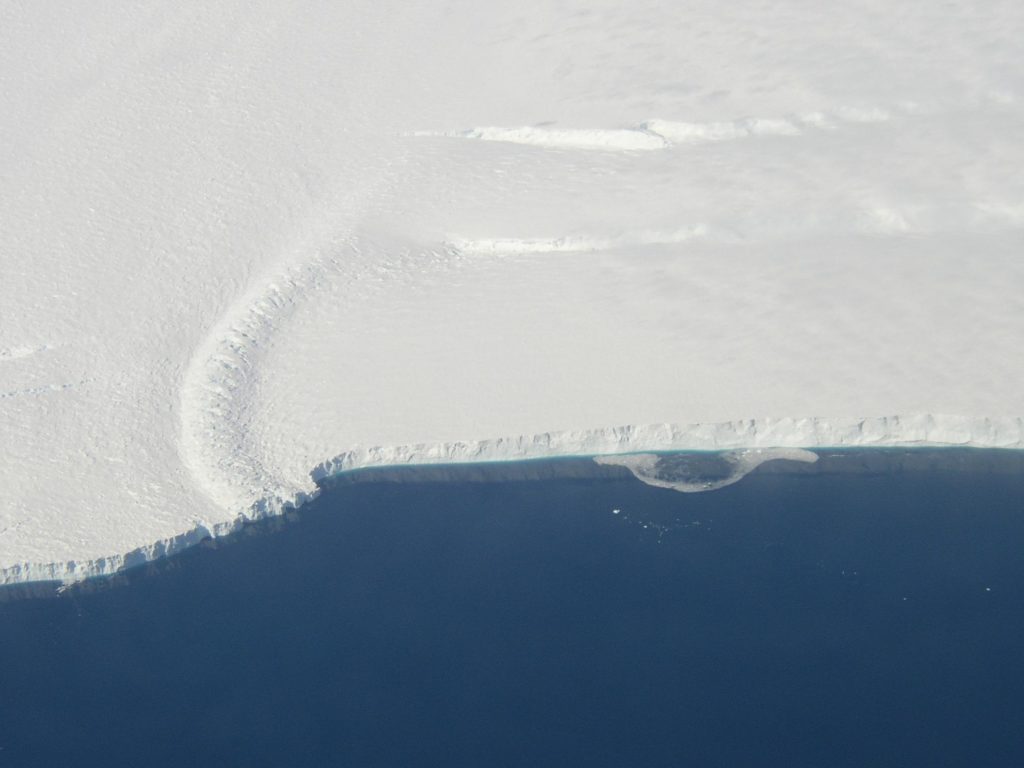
(238, 241)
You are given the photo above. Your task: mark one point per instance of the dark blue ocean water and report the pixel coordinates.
(865, 612)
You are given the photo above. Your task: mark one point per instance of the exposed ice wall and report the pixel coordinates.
(890, 431)
(808, 433)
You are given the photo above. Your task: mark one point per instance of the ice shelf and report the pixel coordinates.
(239, 241)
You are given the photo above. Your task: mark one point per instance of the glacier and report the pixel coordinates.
(245, 247)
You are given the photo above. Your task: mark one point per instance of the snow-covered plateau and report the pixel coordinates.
(240, 239)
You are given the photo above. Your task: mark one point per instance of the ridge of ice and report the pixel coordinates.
(752, 434)
(576, 244)
(658, 133)
(617, 139)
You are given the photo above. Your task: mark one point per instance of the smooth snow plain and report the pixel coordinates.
(245, 245)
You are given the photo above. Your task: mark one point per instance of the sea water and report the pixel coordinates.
(865, 610)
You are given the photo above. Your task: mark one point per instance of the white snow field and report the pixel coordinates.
(243, 245)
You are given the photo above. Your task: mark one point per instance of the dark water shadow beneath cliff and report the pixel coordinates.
(865, 610)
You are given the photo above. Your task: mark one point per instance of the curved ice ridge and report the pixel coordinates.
(807, 433)
(215, 393)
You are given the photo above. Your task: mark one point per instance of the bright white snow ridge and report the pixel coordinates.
(240, 239)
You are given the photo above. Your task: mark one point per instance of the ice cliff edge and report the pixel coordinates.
(811, 432)
(808, 433)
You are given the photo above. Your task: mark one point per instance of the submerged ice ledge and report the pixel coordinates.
(768, 433)
(681, 473)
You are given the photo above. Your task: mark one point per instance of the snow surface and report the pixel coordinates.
(239, 239)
